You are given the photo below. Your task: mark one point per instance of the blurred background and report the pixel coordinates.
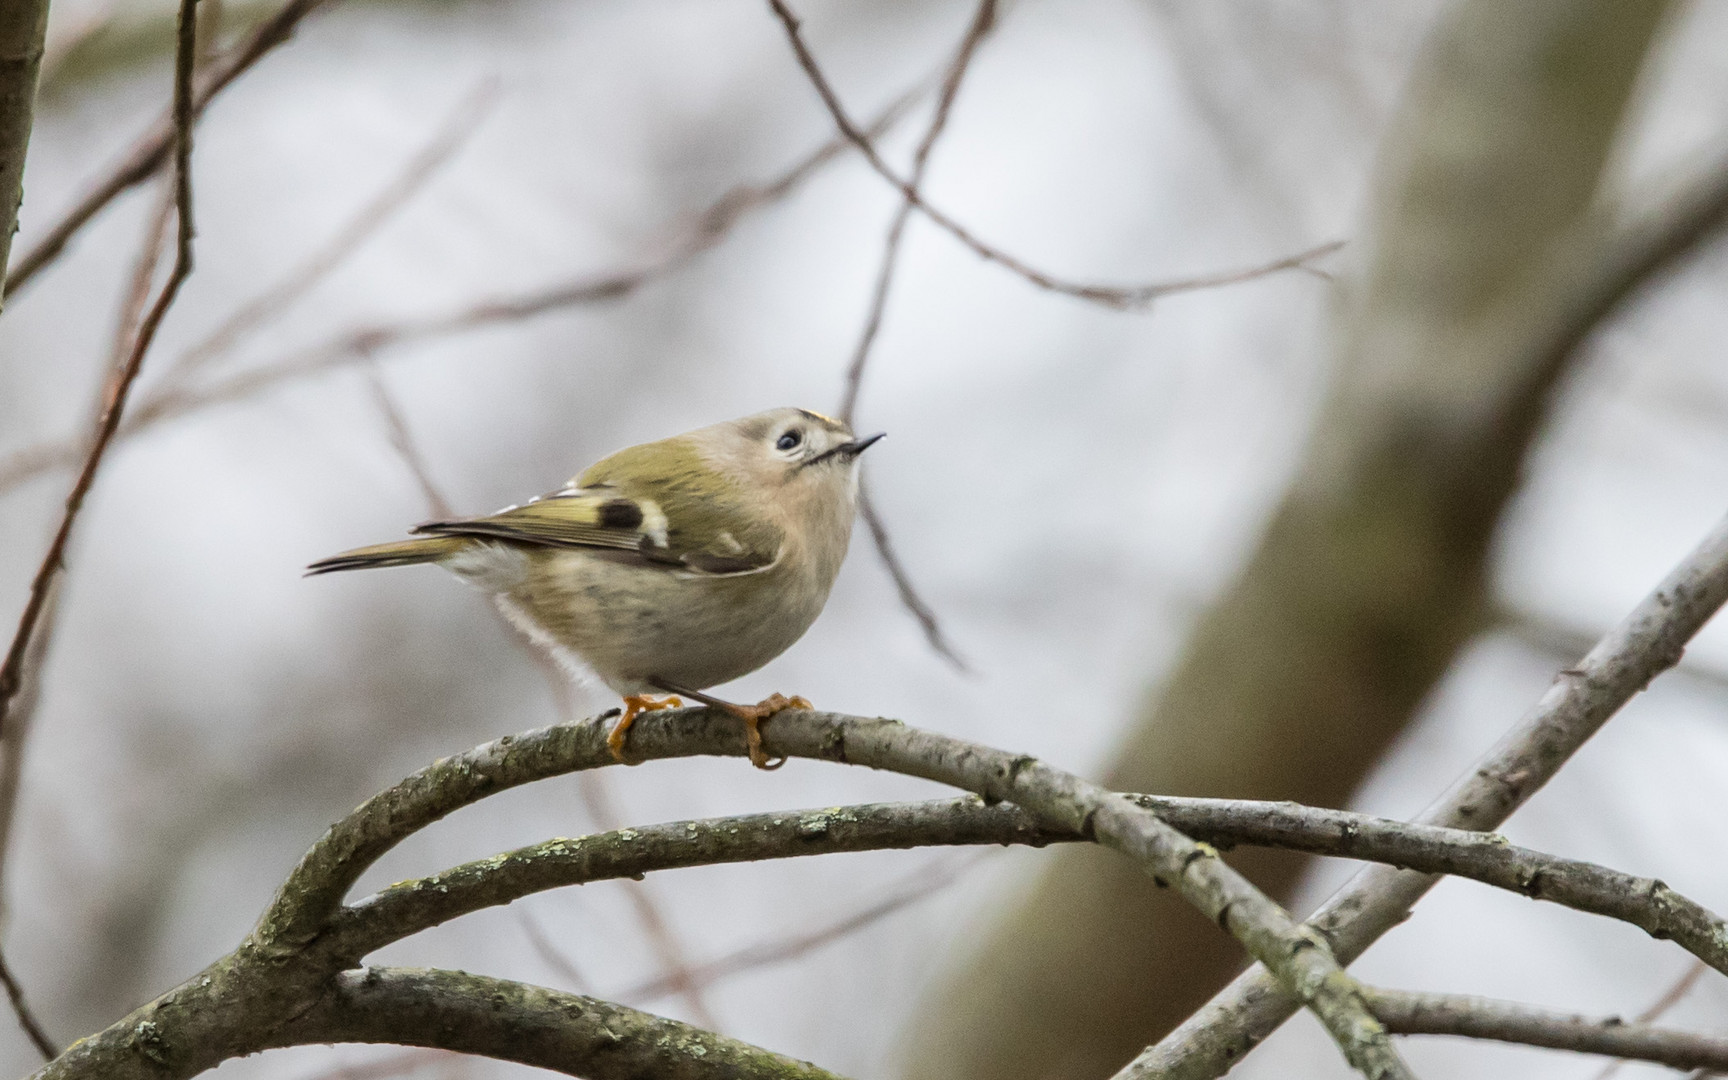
(1070, 486)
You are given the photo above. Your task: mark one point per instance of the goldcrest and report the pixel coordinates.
(671, 566)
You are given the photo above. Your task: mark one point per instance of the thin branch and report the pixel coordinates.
(1116, 296)
(668, 949)
(26, 1018)
(511, 1021)
(1564, 640)
(452, 135)
(403, 442)
(982, 23)
(1407, 1013)
(909, 598)
(11, 669)
(554, 957)
(155, 147)
(782, 950)
(410, 907)
(704, 231)
(1646, 643)
(15, 733)
(137, 296)
(1670, 998)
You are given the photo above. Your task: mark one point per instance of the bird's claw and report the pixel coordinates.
(635, 705)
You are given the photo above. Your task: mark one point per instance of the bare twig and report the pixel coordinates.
(1646, 643)
(982, 22)
(137, 297)
(402, 441)
(26, 1018)
(11, 670)
(909, 597)
(14, 735)
(452, 134)
(1116, 296)
(1658, 1008)
(701, 233)
(668, 948)
(781, 950)
(1407, 1013)
(554, 957)
(155, 147)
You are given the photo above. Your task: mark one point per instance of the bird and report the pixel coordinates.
(667, 567)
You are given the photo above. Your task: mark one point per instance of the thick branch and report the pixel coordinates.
(247, 1000)
(412, 906)
(1648, 642)
(314, 890)
(1503, 1021)
(511, 1021)
(23, 25)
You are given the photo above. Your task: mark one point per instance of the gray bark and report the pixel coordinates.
(1371, 574)
(23, 24)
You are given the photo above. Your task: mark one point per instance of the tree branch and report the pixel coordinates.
(908, 593)
(983, 20)
(1407, 1013)
(1646, 643)
(706, 230)
(511, 1021)
(314, 890)
(155, 147)
(464, 119)
(12, 668)
(23, 28)
(248, 1000)
(410, 907)
(1116, 296)
(26, 1018)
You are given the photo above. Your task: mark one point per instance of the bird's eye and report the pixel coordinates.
(788, 441)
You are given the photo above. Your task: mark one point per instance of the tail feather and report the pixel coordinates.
(400, 553)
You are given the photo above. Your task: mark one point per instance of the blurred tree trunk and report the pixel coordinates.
(1372, 573)
(23, 25)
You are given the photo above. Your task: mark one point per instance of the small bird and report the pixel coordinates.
(667, 567)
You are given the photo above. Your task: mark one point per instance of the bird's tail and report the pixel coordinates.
(400, 553)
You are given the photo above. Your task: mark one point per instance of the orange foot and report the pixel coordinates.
(753, 715)
(635, 705)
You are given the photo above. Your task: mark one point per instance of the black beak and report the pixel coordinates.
(846, 450)
(858, 446)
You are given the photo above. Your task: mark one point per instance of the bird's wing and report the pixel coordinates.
(568, 518)
(666, 519)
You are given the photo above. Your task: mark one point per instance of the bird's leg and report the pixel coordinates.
(634, 705)
(752, 715)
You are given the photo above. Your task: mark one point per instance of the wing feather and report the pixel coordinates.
(678, 517)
